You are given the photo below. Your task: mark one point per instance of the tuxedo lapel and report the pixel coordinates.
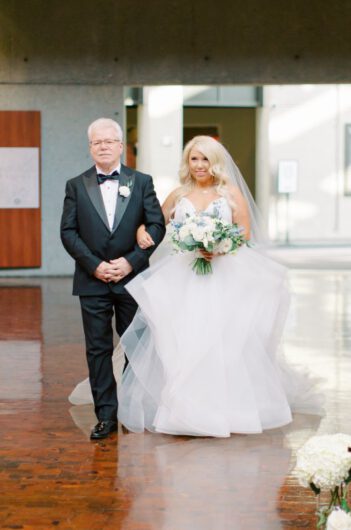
(126, 179)
(93, 190)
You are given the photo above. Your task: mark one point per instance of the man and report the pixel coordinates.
(102, 210)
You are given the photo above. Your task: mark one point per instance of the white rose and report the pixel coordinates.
(198, 233)
(339, 520)
(210, 224)
(224, 246)
(192, 226)
(124, 191)
(184, 232)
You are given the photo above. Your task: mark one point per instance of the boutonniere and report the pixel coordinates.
(124, 191)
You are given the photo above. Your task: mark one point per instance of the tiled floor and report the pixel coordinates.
(52, 476)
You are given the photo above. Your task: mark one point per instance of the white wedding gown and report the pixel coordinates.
(202, 350)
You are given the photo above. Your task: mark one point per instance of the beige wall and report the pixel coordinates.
(237, 130)
(307, 124)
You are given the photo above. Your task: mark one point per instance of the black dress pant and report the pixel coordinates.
(97, 313)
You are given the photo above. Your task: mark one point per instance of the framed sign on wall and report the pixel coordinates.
(20, 208)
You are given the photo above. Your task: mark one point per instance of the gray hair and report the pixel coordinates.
(105, 122)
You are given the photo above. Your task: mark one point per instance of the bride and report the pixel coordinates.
(203, 350)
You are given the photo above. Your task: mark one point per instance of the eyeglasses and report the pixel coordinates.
(108, 143)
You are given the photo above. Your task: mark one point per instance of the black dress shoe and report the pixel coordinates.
(103, 429)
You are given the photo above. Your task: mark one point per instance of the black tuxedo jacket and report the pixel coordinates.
(86, 235)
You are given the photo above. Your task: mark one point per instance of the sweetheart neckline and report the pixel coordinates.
(207, 207)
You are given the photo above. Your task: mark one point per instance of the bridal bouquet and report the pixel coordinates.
(324, 464)
(205, 232)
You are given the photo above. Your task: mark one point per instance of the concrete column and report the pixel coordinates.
(263, 173)
(160, 136)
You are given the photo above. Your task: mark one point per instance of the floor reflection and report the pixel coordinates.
(205, 483)
(52, 475)
(20, 311)
(20, 370)
(187, 483)
(20, 344)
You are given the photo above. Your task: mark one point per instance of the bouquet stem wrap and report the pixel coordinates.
(202, 266)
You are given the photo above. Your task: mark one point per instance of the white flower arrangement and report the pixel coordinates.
(324, 464)
(339, 520)
(324, 461)
(205, 232)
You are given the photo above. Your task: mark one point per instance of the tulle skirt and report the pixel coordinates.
(202, 350)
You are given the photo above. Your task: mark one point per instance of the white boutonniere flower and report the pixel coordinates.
(124, 191)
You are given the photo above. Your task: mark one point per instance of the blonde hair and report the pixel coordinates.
(215, 154)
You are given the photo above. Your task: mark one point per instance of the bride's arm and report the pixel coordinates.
(240, 211)
(169, 205)
(143, 237)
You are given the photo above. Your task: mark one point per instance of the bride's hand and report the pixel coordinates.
(207, 255)
(144, 239)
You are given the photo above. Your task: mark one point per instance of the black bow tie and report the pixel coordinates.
(101, 178)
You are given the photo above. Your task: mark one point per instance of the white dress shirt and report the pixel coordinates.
(109, 192)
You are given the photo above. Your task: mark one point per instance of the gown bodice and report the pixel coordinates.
(218, 208)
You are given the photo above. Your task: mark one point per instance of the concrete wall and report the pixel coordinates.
(128, 42)
(66, 112)
(70, 60)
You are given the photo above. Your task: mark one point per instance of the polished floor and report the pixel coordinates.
(52, 476)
